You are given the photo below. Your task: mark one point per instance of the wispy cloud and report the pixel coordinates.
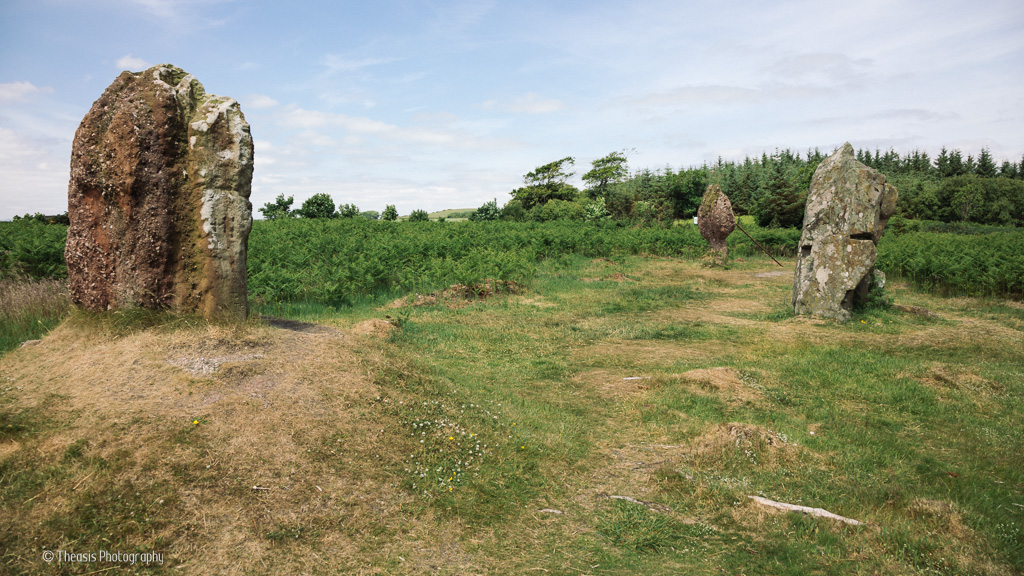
(173, 14)
(831, 69)
(529, 103)
(129, 62)
(336, 63)
(173, 8)
(899, 115)
(358, 125)
(20, 91)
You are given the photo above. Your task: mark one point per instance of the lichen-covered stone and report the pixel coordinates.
(158, 199)
(847, 209)
(716, 221)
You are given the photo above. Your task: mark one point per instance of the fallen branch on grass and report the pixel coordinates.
(819, 512)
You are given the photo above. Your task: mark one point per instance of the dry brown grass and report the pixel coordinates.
(207, 414)
(28, 307)
(201, 415)
(725, 383)
(25, 297)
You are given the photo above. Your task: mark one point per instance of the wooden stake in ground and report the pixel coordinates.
(758, 244)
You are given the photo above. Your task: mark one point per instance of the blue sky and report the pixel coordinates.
(447, 104)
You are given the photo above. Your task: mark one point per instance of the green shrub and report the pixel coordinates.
(489, 211)
(419, 216)
(318, 206)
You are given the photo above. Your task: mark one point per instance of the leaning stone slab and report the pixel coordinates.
(158, 199)
(716, 221)
(847, 209)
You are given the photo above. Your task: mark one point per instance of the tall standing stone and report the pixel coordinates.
(158, 200)
(847, 209)
(716, 221)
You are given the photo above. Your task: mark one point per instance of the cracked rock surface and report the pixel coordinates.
(158, 198)
(848, 207)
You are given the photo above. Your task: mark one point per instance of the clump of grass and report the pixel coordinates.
(133, 320)
(634, 528)
(30, 308)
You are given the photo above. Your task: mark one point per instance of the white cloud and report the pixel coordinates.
(34, 175)
(20, 91)
(176, 11)
(259, 101)
(529, 103)
(336, 63)
(129, 62)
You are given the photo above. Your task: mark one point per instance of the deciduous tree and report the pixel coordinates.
(279, 208)
(318, 206)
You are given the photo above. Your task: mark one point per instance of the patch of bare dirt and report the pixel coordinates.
(375, 327)
(726, 383)
(458, 295)
(297, 326)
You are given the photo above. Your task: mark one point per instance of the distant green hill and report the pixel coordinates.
(452, 213)
(449, 214)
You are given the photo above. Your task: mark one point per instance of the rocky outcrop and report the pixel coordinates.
(158, 200)
(716, 221)
(847, 209)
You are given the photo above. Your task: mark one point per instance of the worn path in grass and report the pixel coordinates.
(612, 419)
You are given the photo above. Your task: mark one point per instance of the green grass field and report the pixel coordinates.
(612, 416)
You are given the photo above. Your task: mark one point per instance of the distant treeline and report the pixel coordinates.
(773, 188)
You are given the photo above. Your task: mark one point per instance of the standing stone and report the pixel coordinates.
(716, 221)
(847, 209)
(158, 200)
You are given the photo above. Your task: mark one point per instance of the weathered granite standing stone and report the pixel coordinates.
(158, 200)
(847, 209)
(716, 221)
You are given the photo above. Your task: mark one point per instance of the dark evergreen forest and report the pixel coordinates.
(950, 188)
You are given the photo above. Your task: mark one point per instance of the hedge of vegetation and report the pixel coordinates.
(340, 260)
(33, 249)
(969, 264)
